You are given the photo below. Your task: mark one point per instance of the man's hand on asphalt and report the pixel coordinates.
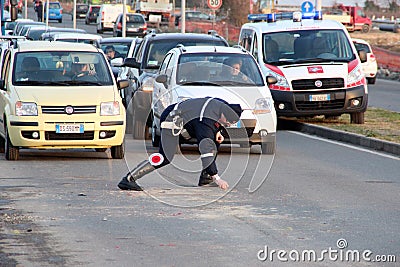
(222, 184)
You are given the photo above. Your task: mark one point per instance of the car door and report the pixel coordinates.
(161, 93)
(4, 91)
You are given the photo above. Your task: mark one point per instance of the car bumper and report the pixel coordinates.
(21, 131)
(292, 103)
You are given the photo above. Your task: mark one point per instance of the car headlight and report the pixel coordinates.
(355, 77)
(263, 105)
(282, 83)
(109, 108)
(148, 84)
(26, 109)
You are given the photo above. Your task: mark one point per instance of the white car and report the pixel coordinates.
(74, 37)
(370, 67)
(202, 71)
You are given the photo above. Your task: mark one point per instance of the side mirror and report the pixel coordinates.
(271, 80)
(162, 78)
(121, 84)
(131, 62)
(363, 56)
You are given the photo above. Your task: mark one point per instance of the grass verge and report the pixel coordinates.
(379, 123)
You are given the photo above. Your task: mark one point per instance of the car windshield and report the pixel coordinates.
(61, 68)
(220, 69)
(157, 50)
(306, 46)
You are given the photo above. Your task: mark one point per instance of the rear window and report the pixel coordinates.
(134, 19)
(54, 6)
(363, 47)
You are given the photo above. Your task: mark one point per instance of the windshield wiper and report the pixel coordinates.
(83, 83)
(198, 83)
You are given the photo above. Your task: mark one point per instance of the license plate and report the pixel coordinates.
(52, 15)
(323, 97)
(69, 128)
(134, 29)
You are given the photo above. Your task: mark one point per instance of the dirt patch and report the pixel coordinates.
(382, 39)
(22, 241)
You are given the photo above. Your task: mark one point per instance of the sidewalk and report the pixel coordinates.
(355, 139)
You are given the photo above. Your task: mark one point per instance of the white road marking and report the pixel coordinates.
(347, 145)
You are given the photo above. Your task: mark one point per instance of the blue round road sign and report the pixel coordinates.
(307, 7)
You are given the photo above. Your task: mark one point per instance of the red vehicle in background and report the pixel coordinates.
(352, 17)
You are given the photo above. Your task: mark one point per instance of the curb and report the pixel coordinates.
(352, 138)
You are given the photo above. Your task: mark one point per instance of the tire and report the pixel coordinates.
(138, 126)
(118, 152)
(268, 148)
(357, 118)
(86, 22)
(101, 149)
(331, 118)
(12, 152)
(365, 28)
(371, 80)
(60, 21)
(155, 139)
(2, 144)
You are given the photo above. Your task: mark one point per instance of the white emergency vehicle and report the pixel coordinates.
(315, 62)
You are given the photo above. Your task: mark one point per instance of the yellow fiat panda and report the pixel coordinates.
(57, 95)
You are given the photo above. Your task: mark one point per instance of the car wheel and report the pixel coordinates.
(60, 20)
(331, 118)
(86, 22)
(103, 149)
(12, 152)
(2, 144)
(371, 80)
(365, 28)
(139, 127)
(155, 139)
(357, 118)
(118, 152)
(268, 148)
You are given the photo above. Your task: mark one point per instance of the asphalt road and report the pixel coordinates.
(61, 208)
(68, 210)
(385, 94)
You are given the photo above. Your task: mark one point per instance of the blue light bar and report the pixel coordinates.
(272, 17)
(262, 17)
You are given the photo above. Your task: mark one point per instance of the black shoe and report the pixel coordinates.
(126, 185)
(206, 180)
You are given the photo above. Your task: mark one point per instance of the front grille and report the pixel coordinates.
(233, 133)
(309, 84)
(320, 105)
(61, 109)
(50, 135)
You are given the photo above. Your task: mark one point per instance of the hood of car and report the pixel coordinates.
(71, 95)
(244, 96)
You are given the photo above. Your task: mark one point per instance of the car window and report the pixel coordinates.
(157, 50)
(38, 68)
(54, 6)
(360, 46)
(134, 19)
(122, 48)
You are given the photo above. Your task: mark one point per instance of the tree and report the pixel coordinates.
(237, 11)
